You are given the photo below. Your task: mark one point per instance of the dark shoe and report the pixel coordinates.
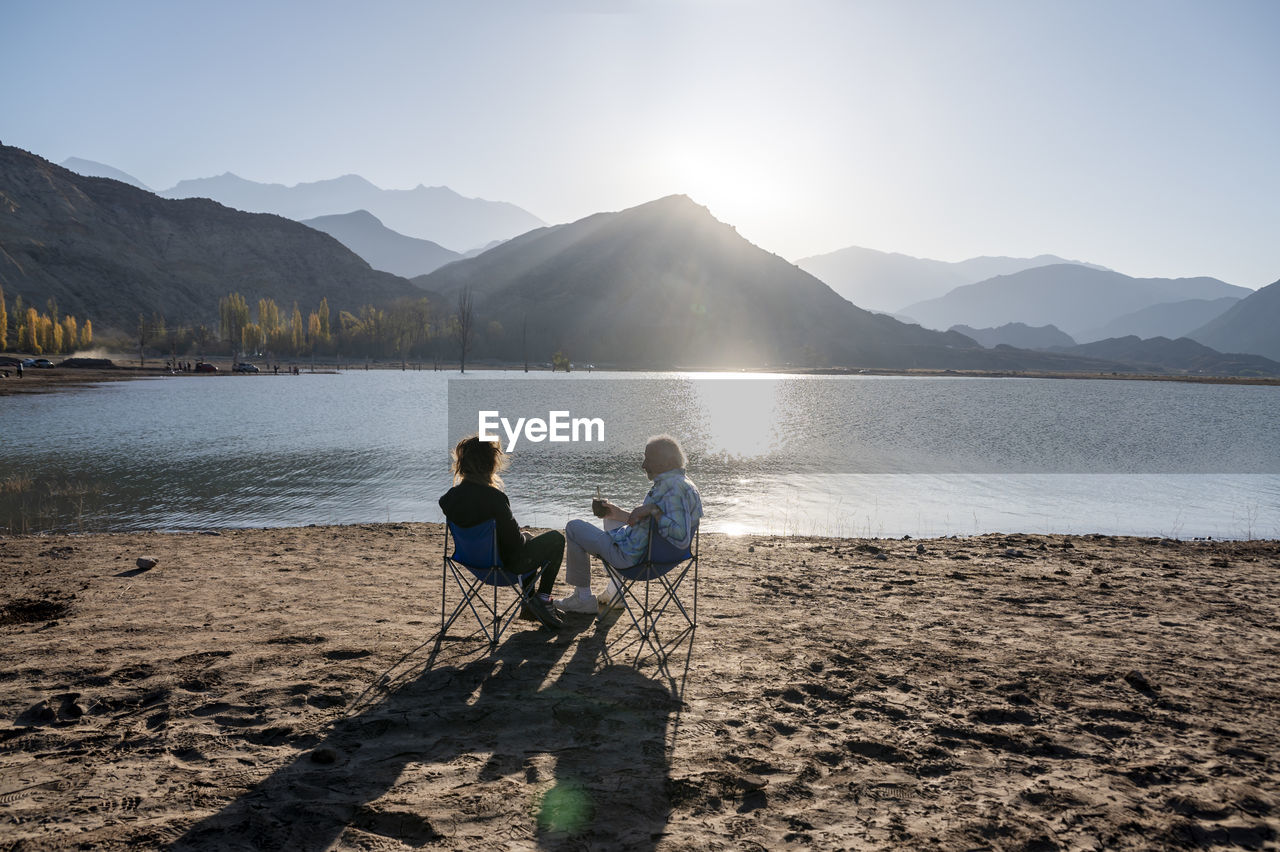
(542, 611)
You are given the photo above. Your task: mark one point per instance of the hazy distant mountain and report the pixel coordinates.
(434, 213)
(1018, 335)
(882, 281)
(981, 268)
(1074, 298)
(1168, 319)
(382, 247)
(666, 284)
(89, 168)
(482, 249)
(1162, 355)
(1251, 325)
(109, 251)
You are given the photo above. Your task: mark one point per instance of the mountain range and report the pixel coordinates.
(1167, 319)
(1072, 297)
(883, 281)
(1160, 354)
(666, 284)
(434, 213)
(1156, 354)
(89, 168)
(1018, 335)
(382, 247)
(660, 284)
(359, 230)
(110, 251)
(1250, 325)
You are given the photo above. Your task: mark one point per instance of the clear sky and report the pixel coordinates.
(1143, 135)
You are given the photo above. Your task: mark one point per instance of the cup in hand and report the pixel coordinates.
(599, 507)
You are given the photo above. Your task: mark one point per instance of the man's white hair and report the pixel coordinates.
(666, 451)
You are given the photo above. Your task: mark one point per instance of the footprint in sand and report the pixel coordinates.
(343, 654)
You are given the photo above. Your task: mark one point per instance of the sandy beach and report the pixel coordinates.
(279, 689)
(56, 379)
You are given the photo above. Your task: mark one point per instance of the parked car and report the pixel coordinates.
(244, 367)
(202, 367)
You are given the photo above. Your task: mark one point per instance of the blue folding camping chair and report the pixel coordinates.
(475, 567)
(650, 590)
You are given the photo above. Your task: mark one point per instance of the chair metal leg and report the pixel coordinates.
(646, 609)
(492, 618)
(484, 605)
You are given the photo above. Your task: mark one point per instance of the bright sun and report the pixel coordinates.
(738, 184)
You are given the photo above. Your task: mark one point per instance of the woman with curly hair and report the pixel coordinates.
(477, 496)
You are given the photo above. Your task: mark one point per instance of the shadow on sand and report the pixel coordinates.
(482, 749)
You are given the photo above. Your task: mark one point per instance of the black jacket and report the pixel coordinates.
(468, 504)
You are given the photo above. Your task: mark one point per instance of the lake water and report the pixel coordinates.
(824, 455)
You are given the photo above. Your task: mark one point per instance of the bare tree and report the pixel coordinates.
(142, 341)
(465, 326)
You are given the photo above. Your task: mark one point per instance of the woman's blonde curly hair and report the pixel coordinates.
(478, 461)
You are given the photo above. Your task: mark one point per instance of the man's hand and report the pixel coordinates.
(639, 513)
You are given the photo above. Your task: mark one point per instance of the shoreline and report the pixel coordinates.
(51, 380)
(275, 687)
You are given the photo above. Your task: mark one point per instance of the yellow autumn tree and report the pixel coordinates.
(44, 327)
(69, 336)
(233, 316)
(269, 317)
(251, 338)
(296, 331)
(86, 335)
(32, 327)
(324, 320)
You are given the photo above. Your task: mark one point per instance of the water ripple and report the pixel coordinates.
(820, 455)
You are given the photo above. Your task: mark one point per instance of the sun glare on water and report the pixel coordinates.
(740, 417)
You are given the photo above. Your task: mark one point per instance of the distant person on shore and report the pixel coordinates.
(675, 502)
(477, 496)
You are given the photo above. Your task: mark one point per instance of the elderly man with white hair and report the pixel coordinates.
(673, 500)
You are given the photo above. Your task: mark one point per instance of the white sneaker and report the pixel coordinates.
(577, 603)
(611, 599)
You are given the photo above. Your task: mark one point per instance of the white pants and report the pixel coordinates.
(582, 540)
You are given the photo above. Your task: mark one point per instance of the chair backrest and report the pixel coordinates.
(661, 555)
(663, 552)
(476, 547)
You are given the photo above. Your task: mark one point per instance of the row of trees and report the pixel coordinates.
(42, 333)
(406, 330)
(410, 329)
(271, 330)
(417, 329)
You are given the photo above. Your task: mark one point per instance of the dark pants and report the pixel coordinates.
(546, 549)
